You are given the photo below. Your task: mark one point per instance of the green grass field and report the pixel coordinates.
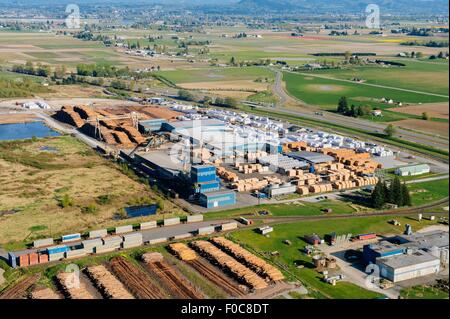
(427, 192)
(326, 92)
(288, 209)
(416, 75)
(423, 292)
(291, 254)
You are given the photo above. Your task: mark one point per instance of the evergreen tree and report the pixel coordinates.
(406, 197)
(377, 197)
(387, 193)
(396, 192)
(343, 105)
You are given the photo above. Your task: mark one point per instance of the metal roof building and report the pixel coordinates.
(311, 157)
(413, 170)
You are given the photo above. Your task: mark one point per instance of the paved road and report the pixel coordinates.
(308, 112)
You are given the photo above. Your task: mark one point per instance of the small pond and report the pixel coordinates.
(18, 131)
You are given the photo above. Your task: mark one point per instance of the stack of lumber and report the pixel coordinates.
(149, 258)
(110, 286)
(71, 289)
(230, 264)
(183, 252)
(257, 264)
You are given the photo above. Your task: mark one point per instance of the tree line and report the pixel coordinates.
(396, 193)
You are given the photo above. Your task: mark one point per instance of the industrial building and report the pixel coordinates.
(218, 199)
(413, 170)
(311, 157)
(409, 256)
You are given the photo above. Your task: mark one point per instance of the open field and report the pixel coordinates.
(290, 254)
(326, 92)
(434, 110)
(425, 77)
(242, 85)
(37, 175)
(440, 128)
(426, 192)
(17, 118)
(423, 292)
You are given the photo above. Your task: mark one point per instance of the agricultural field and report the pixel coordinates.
(292, 254)
(427, 192)
(325, 92)
(59, 185)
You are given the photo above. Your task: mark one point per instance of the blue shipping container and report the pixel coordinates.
(57, 250)
(71, 237)
(139, 211)
(12, 260)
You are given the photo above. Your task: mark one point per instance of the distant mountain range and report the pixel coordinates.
(347, 6)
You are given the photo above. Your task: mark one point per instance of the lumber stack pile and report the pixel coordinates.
(73, 290)
(257, 264)
(183, 252)
(149, 258)
(230, 264)
(227, 175)
(111, 287)
(250, 184)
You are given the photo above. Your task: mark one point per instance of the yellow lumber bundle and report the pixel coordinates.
(257, 264)
(108, 283)
(230, 264)
(183, 252)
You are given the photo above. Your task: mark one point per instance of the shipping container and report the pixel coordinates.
(105, 249)
(127, 245)
(33, 259)
(112, 240)
(229, 226)
(182, 236)
(71, 237)
(57, 249)
(23, 260)
(43, 258)
(172, 221)
(148, 225)
(206, 230)
(98, 233)
(195, 218)
(56, 256)
(76, 253)
(132, 237)
(124, 229)
(43, 242)
(12, 259)
(91, 243)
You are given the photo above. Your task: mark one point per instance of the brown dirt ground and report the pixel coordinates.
(437, 110)
(16, 118)
(440, 128)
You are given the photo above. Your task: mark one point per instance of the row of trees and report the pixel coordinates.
(30, 69)
(396, 193)
(354, 111)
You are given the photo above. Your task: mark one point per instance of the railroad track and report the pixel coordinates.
(177, 286)
(387, 213)
(20, 289)
(135, 279)
(217, 278)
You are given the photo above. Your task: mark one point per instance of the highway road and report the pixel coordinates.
(308, 112)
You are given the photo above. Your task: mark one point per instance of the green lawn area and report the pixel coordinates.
(326, 92)
(287, 209)
(264, 97)
(419, 76)
(423, 292)
(217, 74)
(291, 254)
(422, 193)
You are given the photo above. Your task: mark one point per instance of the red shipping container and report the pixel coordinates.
(33, 259)
(23, 260)
(368, 236)
(43, 258)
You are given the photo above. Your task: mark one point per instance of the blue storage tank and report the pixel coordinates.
(57, 249)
